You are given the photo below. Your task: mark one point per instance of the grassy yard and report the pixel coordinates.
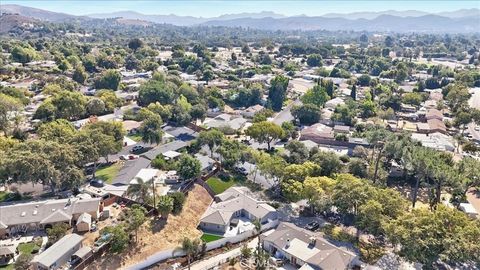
(206, 237)
(135, 137)
(220, 185)
(27, 248)
(4, 195)
(109, 172)
(7, 267)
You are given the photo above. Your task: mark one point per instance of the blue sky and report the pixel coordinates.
(199, 8)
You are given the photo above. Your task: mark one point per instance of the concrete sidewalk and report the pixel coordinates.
(214, 261)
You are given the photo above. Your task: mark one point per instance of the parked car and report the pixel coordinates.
(137, 148)
(241, 170)
(312, 226)
(128, 157)
(98, 183)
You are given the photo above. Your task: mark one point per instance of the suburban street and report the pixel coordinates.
(285, 115)
(474, 101)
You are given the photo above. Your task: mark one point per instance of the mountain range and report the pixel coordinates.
(459, 21)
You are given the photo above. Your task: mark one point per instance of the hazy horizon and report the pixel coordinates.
(218, 8)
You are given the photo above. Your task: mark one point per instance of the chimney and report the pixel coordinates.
(287, 244)
(313, 241)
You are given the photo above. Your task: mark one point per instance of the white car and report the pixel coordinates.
(128, 157)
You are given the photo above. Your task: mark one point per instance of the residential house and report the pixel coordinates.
(36, 215)
(306, 250)
(234, 208)
(436, 141)
(235, 122)
(318, 133)
(436, 125)
(433, 114)
(58, 254)
(333, 103)
(131, 126)
(252, 110)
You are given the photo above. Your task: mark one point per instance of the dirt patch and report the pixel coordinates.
(159, 234)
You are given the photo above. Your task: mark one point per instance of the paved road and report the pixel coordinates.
(474, 101)
(285, 115)
(256, 178)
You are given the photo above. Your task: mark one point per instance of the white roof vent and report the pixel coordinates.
(23, 214)
(35, 212)
(53, 209)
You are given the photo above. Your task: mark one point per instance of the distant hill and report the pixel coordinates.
(8, 22)
(426, 23)
(181, 20)
(39, 14)
(459, 21)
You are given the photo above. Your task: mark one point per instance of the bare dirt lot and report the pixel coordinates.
(157, 234)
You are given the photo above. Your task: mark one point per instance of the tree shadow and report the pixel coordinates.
(157, 224)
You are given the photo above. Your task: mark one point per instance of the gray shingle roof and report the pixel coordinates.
(231, 201)
(48, 210)
(321, 253)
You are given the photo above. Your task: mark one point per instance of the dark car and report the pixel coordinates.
(241, 170)
(98, 183)
(137, 148)
(312, 226)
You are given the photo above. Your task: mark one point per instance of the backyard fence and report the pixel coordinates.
(174, 253)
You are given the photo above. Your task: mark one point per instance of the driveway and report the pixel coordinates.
(474, 101)
(285, 115)
(256, 177)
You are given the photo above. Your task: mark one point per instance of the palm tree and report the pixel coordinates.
(191, 249)
(165, 205)
(258, 230)
(140, 190)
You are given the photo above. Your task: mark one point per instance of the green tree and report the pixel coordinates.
(329, 162)
(364, 80)
(191, 249)
(141, 190)
(277, 92)
(109, 98)
(110, 79)
(230, 151)
(135, 43)
(178, 201)
(265, 132)
(95, 106)
(151, 129)
(188, 167)
(155, 91)
(213, 138)
(56, 232)
(134, 218)
(316, 95)
(23, 261)
(119, 238)
(307, 114)
(9, 107)
(23, 54)
(69, 105)
(165, 205)
(428, 236)
(59, 130)
(314, 60)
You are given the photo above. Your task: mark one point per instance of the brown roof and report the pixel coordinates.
(434, 114)
(437, 125)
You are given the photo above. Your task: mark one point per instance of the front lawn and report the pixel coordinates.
(220, 185)
(28, 248)
(206, 237)
(135, 137)
(108, 173)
